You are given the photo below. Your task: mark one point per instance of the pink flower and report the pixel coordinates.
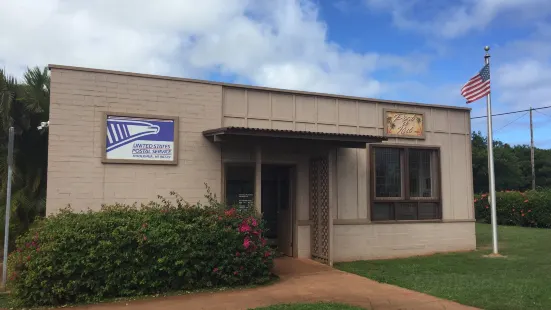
(263, 241)
(215, 270)
(529, 210)
(237, 254)
(28, 258)
(246, 242)
(219, 218)
(484, 195)
(267, 253)
(144, 238)
(526, 200)
(230, 212)
(513, 209)
(254, 222)
(244, 227)
(487, 207)
(235, 273)
(522, 214)
(475, 200)
(256, 232)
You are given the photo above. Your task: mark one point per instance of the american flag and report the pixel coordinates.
(478, 86)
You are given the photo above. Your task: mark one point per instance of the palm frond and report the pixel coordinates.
(37, 89)
(24, 106)
(8, 86)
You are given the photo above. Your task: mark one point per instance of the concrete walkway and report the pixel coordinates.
(302, 281)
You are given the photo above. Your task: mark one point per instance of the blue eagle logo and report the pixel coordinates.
(121, 131)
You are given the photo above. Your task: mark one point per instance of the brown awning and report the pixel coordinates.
(337, 139)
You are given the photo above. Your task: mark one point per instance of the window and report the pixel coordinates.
(405, 184)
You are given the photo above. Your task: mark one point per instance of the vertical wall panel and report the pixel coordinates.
(327, 110)
(363, 180)
(235, 103)
(348, 114)
(439, 120)
(368, 114)
(259, 104)
(443, 140)
(459, 177)
(306, 109)
(282, 106)
(347, 173)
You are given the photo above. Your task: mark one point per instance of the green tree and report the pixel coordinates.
(24, 106)
(479, 162)
(512, 165)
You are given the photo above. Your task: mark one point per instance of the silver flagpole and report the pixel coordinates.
(492, 196)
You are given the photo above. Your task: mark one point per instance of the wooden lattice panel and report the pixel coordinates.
(314, 172)
(319, 199)
(324, 208)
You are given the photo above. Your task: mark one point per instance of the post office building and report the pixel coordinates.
(337, 178)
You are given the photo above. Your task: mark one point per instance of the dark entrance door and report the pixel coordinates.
(277, 206)
(240, 185)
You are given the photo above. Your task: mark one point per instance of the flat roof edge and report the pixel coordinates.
(223, 84)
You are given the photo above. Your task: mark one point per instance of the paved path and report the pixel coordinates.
(301, 281)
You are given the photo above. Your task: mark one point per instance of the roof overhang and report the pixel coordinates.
(336, 139)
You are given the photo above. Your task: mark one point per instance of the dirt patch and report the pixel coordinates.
(301, 281)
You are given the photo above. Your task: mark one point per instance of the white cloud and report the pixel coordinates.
(525, 75)
(272, 43)
(521, 69)
(524, 83)
(449, 20)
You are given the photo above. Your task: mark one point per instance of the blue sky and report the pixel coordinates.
(451, 59)
(411, 50)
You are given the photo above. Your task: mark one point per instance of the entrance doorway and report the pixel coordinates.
(277, 197)
(277, 205)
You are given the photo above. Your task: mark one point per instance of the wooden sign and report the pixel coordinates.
(404, 124)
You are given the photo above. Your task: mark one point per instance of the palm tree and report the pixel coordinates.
(24, 106)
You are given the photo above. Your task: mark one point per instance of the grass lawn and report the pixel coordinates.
(315, 306)
(522, 280)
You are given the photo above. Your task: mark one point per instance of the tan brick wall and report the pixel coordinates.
(76, 175)
(359, 242)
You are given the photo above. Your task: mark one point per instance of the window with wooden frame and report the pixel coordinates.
(405, 183)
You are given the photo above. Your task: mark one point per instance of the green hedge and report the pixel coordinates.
(124, 250)
(529, 209)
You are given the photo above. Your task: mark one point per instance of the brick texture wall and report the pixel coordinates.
(381, 241)
(76, 174)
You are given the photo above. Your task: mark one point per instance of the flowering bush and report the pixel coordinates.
(124, 250)
(530, 209)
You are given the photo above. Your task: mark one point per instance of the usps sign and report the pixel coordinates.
(140, 139)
